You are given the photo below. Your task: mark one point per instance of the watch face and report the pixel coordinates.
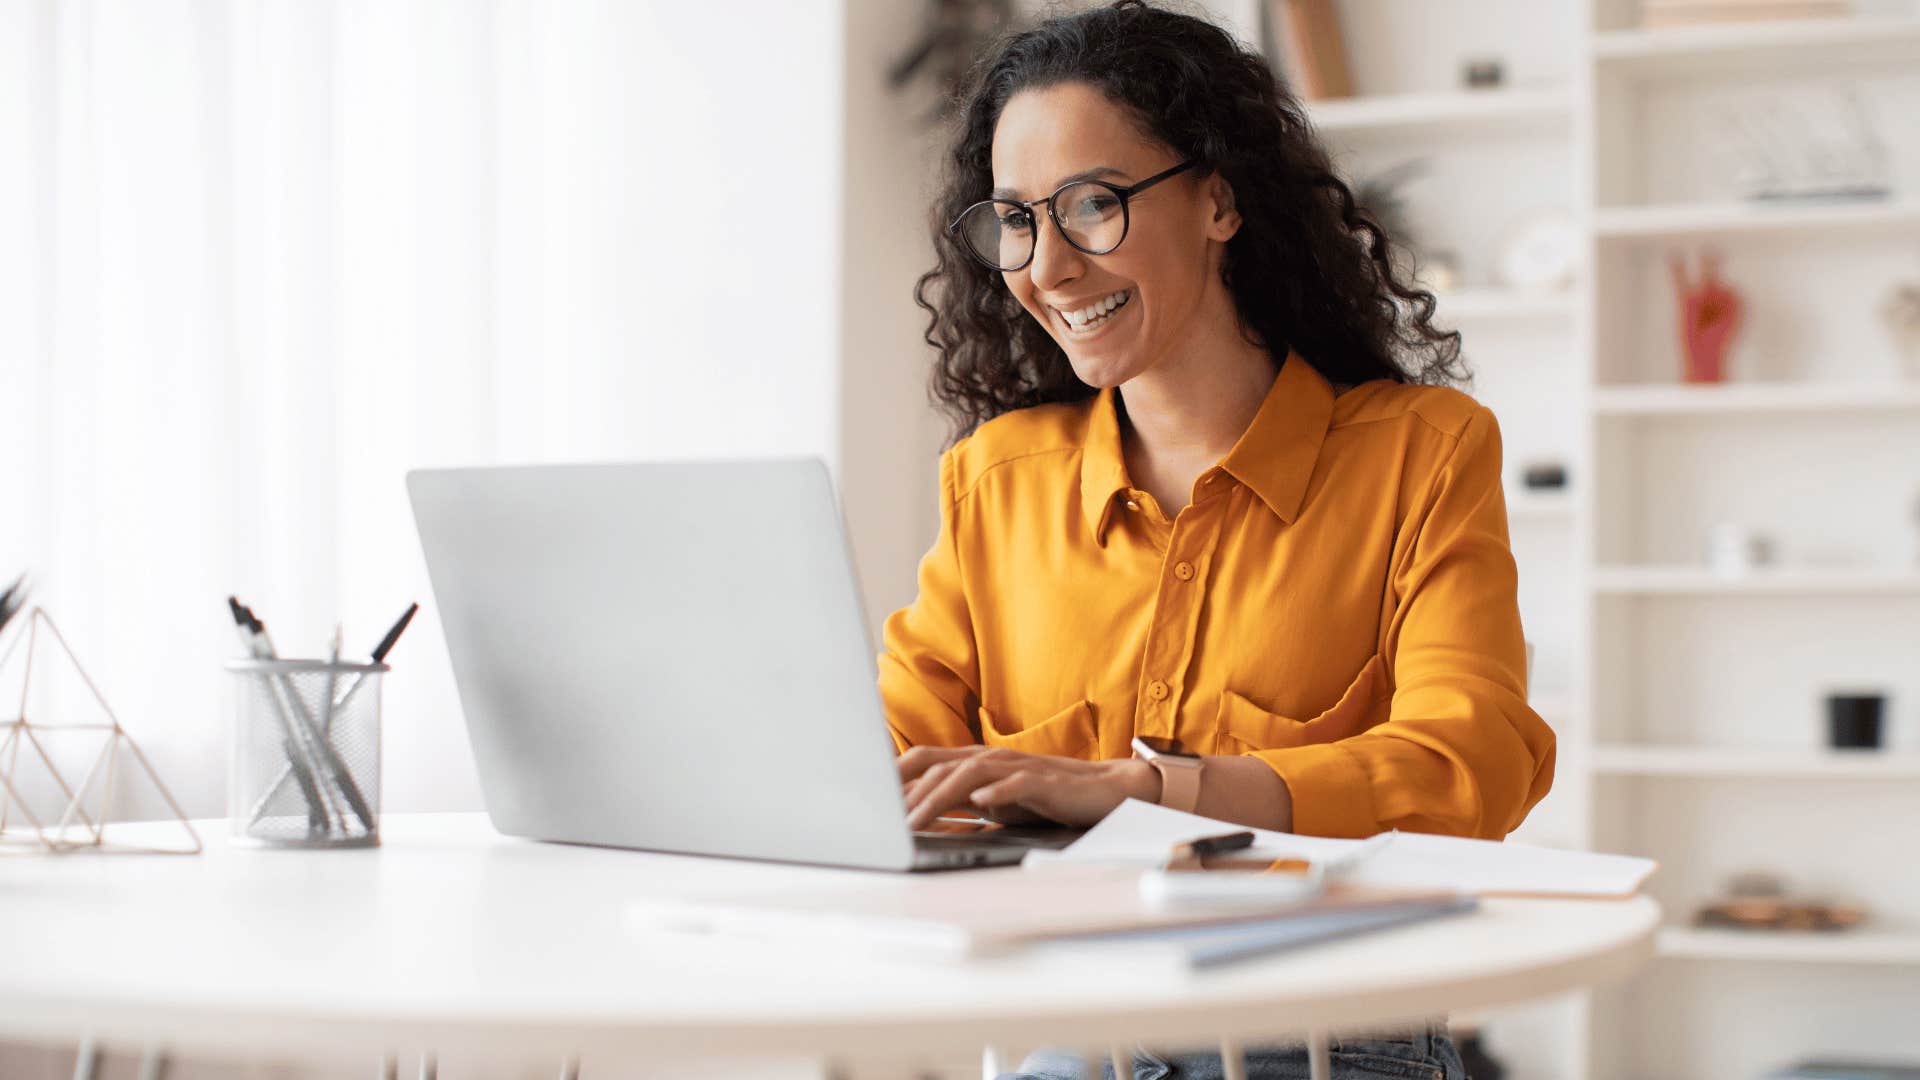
(1165, 746)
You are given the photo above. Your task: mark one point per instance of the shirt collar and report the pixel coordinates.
(1274, 457)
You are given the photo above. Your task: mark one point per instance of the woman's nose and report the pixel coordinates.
(1055, 261)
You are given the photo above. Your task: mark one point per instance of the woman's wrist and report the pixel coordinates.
(1138, 779)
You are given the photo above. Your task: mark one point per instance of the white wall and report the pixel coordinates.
(890, 437)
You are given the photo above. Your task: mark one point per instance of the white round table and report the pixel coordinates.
(450, 935)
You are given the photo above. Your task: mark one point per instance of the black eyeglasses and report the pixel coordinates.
(1091, 214)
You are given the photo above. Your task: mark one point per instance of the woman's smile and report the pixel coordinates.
(1082, 321)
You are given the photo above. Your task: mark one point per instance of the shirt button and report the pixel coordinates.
(1157, 690)
(1183, 570)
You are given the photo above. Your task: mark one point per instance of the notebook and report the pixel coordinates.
(1215, 946)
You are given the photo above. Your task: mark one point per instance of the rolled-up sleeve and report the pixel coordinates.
(929, 668)
(1459, 751)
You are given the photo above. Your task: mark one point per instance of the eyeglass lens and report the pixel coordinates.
(1001, 234)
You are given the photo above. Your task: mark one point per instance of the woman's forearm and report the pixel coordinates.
(1243, 790)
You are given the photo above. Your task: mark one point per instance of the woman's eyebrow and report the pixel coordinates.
(1096, 173)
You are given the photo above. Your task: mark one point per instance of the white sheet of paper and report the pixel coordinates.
(1140, 833)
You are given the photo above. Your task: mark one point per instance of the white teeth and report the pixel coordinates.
(1096, 311)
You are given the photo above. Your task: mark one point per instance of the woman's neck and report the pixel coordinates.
(1182, 416)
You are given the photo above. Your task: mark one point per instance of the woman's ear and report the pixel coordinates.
(1224, 219)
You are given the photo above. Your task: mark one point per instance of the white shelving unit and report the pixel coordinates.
(1656, 223)
(1703, 762)
(1741, 48)
(1755, 398)
(1702, 693)
(1688, 704)
(1696, 581)
(1442, 114)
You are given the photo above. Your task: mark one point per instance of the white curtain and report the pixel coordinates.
(257, 259)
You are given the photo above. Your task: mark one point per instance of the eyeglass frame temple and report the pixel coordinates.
(1125, 194)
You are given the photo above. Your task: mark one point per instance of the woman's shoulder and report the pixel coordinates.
(1041, 436)
(1383, 401)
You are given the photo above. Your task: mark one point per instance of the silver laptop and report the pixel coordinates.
(673, 657)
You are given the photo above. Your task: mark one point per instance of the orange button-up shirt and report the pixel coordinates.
(1338, 600)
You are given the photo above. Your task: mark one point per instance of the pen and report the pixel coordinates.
(1353, 857)
(380, 652)
(13, 600)
(323, 748)
(317, 817)
(1190, 855)
(326, 704)
(333, 675)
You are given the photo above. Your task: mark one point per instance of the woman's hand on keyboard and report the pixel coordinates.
(1017, 788)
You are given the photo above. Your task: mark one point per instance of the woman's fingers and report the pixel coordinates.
(1077, 793)
(1023, 791)
(926, 781)
(918, 759)
(948, 785)
(1005, 785)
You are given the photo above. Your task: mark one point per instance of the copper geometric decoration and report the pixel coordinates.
(87, 806)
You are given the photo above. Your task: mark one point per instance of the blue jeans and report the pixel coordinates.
(1423, 1053)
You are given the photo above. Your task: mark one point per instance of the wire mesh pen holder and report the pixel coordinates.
(306, 753)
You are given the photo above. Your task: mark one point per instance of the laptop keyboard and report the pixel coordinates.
(1052, 837)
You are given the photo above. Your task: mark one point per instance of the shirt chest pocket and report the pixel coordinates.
(1243, 726)
(1067, 733)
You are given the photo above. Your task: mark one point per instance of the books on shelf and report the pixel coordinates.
(1658, 14)
(1314, 56)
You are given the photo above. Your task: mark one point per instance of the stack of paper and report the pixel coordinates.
(1140, 834)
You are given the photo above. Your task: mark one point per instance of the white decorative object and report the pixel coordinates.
(86, 807)
(1799, 142)
(1541, 252)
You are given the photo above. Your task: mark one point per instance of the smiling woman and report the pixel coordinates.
(1211, 534)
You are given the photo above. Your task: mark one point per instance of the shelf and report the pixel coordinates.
(1862, 945)
(1843, 44)
(1527, 506)
(1698, 581)
(1442, 113)
(1502, 304)
(1677, 222)
(1756, 398)
(1704, 761)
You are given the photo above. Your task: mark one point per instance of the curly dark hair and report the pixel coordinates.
(1308, 269)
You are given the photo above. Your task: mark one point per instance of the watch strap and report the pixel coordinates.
(1179, 785)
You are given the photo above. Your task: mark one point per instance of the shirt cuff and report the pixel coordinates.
(1332, 794)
